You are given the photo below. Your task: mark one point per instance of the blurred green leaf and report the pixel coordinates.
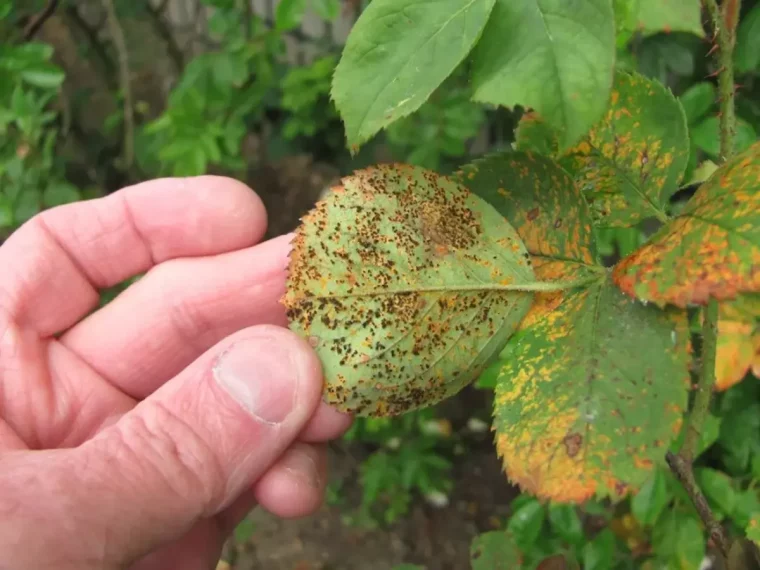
(495, 550)
(706, 136)
(58, 193)
(566, 523)
(708, 436)
(526, 522)
(244, 531)
(718, 489)
(651, 499)
(289, 14)
(600, 552)
(327, 9)
(747, 50)
(690, 545)
(654, 16)
(697, 100)
(7, 218)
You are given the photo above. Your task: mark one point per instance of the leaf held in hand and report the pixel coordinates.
(405, 284)
(711, 250)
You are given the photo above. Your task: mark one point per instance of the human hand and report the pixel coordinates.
(140, 435)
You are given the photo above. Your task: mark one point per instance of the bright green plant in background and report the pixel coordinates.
(578, 413)
(31, 176)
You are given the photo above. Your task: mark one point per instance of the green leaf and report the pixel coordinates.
(244, 530)
(566, 523)
(441, 287)
(289, 14)
(554, 56)
(753, 529)
(633, 160)
(712, 249)
(45, 75)
(651, 499)
(706, 136)
(600, 552)
(654, 16)
(495, 550)
(707, 437)
(525, 524)
(697, 100)
(58, 193)
(398, 53)
(718, 489)
(327, 9)
(747, 50)
(689, 545)
(7, 219)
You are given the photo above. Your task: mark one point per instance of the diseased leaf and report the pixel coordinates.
(578, 412)
(401, 280)
(554, 56)
(540, 201)
(654, 16)
(632, 161)
(712, 249)
(738, 340)
(570, 417)
(495, 550)
(398, 53)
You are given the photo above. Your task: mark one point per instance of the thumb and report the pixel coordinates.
(197, 443)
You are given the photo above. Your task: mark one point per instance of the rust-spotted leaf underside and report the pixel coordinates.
(590, 394)
(400, 279)
(711, 250)
(632, 161)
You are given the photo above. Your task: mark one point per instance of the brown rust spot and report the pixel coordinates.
(573, 442)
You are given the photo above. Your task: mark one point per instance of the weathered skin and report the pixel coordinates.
(394, 279)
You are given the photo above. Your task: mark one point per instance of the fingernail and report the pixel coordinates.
(302, 465)
(262, 375)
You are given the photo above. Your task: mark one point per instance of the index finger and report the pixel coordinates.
(54, 265)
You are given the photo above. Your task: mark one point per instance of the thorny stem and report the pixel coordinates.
(725, 35)
(724, 24)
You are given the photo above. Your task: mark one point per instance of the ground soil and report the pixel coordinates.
(438, 538)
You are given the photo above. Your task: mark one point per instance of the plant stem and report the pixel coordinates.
(724, 24)
(725, 36)
(683, 471)
(36, 22)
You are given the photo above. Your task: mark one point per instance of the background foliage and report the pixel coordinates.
(87, 107)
